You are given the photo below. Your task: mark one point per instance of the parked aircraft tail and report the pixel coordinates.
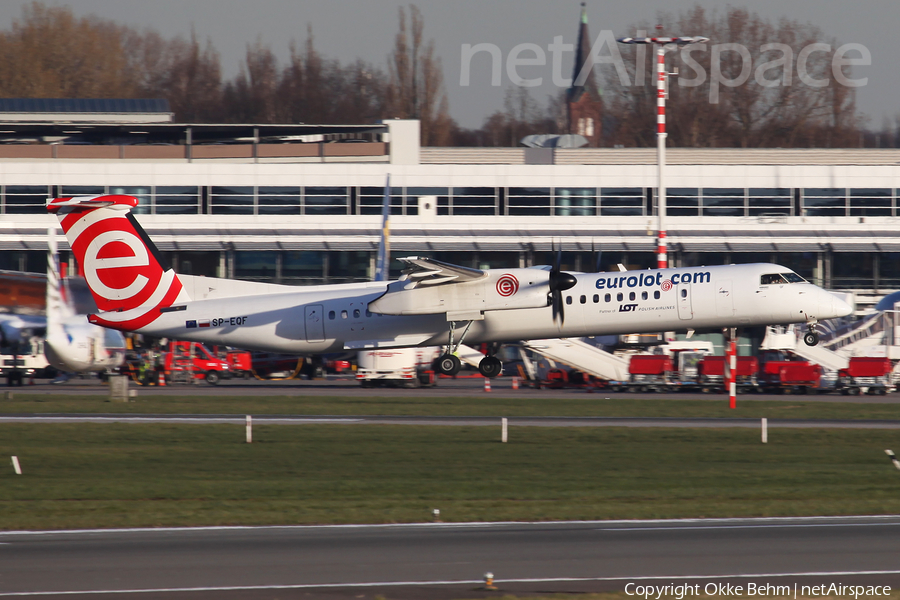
(130, 281)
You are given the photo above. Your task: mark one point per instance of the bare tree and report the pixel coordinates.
(756, 97)
(49, 53)
(416, 85)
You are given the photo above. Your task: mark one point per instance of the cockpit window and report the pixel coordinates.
(770, 278)
(778, 278)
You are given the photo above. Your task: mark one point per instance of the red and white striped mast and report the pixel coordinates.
(662, 259)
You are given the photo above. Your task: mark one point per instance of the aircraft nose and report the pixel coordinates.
(832, 307)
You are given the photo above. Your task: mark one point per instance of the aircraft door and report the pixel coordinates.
(314, 316)
(724, 299)
(683, 298)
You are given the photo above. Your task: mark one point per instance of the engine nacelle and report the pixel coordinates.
(499, 290)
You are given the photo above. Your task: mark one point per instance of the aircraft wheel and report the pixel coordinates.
(811, 338)
(490, 366)
(212, 378)
(448, 364)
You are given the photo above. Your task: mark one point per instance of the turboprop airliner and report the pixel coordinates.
(72, 344)
(432, 304)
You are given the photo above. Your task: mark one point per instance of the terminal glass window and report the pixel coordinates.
(620, 202)
(528, 202)
(371, 200)
(302, 267)
(825, 202)
(67, 191)
(25, 199)
(871, 202)
(176, 200)
(889, 270)
(326, 201)
(723, 202)
(272, 200)
(682, 202)
(255, 265)
(852, 270)
(474, 201)
(769, 202)
(575, 202)
(237, 200)
(348, 266)
(141, 193)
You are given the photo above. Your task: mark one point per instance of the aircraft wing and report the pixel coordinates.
(427, 272)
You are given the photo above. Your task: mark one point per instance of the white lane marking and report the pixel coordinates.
(761, 526)
(786, 521)
(301, 586)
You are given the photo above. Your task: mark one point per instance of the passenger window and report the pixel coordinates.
(656, 295)
(568, 299)
(344, 314)
(644, 295)
(683, 293)
(584, 299)
(619, 297)
(607, 298)
(368, 313)
(596, 298)
(355, 313)
(331, 315)
(631, 296)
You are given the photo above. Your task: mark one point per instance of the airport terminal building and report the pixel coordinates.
(301, 204)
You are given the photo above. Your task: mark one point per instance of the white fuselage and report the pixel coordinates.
(337, 317)
(79, 347)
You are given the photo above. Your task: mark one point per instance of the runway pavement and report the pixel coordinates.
(447, 560)
(344, 386)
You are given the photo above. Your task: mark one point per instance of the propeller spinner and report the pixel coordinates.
(559, 282)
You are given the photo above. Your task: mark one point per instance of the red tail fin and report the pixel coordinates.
(123, 268)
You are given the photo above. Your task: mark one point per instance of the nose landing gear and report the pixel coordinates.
(811, 337)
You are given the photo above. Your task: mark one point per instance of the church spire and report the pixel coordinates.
(583, 102)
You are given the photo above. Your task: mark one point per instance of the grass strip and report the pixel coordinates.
(123, 475)
(476, 404)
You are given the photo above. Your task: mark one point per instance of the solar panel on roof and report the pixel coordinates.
(84, 105)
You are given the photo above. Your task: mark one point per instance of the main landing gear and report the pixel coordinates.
(449, 364)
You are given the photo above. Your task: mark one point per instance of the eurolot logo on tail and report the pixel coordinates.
(119, 263)
(651, 279)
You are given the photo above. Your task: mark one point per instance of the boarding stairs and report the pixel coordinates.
(582, 356)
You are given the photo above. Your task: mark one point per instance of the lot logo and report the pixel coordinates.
(507, 285)
(627, 307)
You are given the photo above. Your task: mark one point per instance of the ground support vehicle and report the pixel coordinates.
(711, 374)
(27, 362)
(647, 373)
(397, 367)
(189, 362)
(790, 377)
(866, 375)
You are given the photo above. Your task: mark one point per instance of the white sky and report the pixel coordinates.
(346, 29)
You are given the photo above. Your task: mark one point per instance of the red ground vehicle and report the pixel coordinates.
(712, 373)
(648, 373)
(189, 361)
(871, 375)
(790, 376)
